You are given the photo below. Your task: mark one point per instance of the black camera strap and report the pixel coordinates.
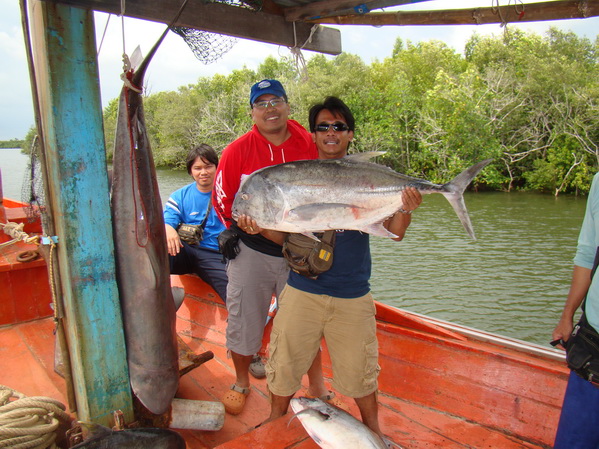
(203, 223)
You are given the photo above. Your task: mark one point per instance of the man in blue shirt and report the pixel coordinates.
(337, 305)
(192, 205)
(579, 422)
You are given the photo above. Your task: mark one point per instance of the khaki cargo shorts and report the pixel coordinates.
(349, 329)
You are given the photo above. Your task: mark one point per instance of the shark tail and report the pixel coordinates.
(139, 73)
(454, 192)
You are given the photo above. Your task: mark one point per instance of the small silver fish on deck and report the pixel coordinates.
(332, 428)
(348, 193)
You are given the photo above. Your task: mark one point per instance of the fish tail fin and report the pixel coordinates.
(454, 192)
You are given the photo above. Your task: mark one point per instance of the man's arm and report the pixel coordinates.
(399, 223)
(173, 242)
(581, 281)
(249, 225)
(226, 184)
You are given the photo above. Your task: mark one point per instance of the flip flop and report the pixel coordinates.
(330, 398)
(234, 399)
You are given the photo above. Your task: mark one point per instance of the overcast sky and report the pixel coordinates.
(174, 65)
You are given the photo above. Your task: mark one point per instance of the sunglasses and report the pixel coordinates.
(337, 126)
(275, 102)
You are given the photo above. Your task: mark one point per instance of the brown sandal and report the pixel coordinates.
(234, 399)
(330, 398)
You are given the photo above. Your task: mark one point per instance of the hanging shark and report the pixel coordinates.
(142, 263)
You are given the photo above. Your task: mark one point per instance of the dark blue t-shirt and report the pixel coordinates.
(350, 273)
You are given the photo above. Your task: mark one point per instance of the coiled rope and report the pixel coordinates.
(29, 422)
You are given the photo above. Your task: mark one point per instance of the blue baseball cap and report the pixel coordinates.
(264, 87)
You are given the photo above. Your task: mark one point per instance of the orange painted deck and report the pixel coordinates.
(441, 385)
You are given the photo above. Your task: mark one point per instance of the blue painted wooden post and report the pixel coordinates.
(68, 83)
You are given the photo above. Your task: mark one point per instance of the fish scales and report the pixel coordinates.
(318, 195)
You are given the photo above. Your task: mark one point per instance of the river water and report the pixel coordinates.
(512, 280)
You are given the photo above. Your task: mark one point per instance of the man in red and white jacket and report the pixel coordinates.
(259, 270)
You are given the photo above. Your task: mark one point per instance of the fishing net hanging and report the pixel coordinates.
(32, 191)
(209, 47)
(206, 47)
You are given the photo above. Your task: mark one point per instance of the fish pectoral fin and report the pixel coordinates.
(292, 418)
(314, 211)
(311, 236)
(380, 230)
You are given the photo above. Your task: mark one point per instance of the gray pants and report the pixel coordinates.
(254, 278)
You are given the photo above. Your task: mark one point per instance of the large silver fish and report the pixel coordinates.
(333, 428)
(142, 263)
(348, 193)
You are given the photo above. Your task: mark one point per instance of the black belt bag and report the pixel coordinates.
(582, 351)
(228, 244)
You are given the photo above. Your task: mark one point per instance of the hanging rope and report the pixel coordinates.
(104, 34)
(29, 422)
(298, 56)
(519, 9)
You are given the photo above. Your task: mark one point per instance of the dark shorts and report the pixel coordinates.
(207, 264)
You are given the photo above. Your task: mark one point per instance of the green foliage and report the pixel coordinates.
(529, 102)
(13, 143)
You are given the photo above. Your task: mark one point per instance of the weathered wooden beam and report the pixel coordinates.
(66, 72)
(224, 19)
(324, 8)
(532, 12)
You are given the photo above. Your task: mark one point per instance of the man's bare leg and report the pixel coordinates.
(278, 406)
(242, 369)
(316, 386)
(369, 410)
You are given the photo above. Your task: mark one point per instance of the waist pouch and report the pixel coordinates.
(191, 234)
(582, 351)
(228, 244)
(307, 256)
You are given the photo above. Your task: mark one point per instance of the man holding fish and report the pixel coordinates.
(259, 270)
(337, 305)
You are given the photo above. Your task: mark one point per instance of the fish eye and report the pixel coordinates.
(245, 196)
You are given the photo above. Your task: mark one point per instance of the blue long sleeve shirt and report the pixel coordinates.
(188, 205)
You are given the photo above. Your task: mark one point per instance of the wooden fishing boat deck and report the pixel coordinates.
(438, 388)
